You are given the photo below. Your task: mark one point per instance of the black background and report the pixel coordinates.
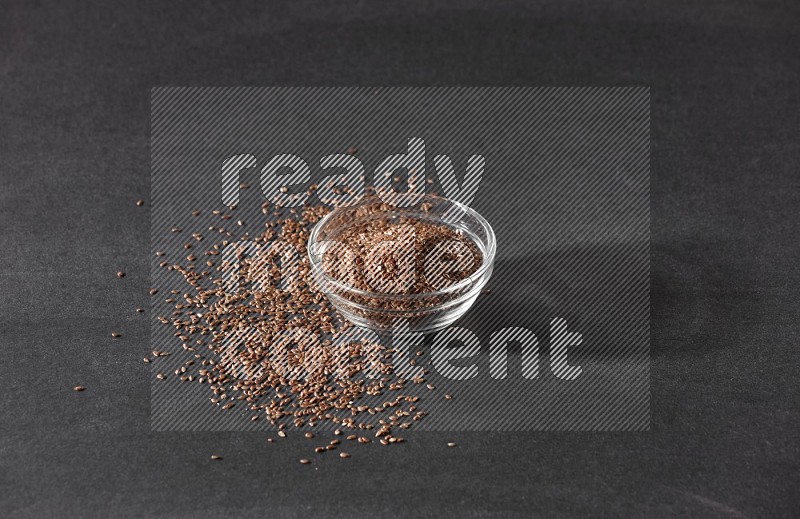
(74, 123)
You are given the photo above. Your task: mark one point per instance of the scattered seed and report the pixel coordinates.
(139, 310)
(120, 274)
(305, 461)
(282, 434)
(344, 455)
(79, 388)
(451, 444)
(216, 457)
(309, 435)
(116, 335)
(140, 203)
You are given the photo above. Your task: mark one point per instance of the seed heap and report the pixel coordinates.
(277, 351)
(373, 250)
(419, 237)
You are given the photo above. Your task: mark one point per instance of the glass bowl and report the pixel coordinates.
(391, 307)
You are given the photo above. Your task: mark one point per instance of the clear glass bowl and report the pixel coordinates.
(385, 311)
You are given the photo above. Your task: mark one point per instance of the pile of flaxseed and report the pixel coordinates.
(274, 350)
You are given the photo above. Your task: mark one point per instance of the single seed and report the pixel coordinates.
(120, 274)
(305, 461)
(309, 435)
(140, 203)
(216, 457)
(282, 434)
(337, 432)
(335, 442)
(451, 444)
(344, 455)
(139, 310)
(448, 396)
(319, 449)
(79, 388)
(116, 335)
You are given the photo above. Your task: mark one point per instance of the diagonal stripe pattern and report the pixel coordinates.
(562, 174)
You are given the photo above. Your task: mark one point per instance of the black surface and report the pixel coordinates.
(74, 93)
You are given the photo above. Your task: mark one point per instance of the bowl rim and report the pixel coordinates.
(470, 282)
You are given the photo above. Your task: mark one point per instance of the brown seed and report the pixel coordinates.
(140, 203)
(139, 310)
(344, 455)
(120, 274)
(195, 213)
(451, 444)
(160, 376)
(216, 457)
(319, 449)
(146, 360)
(309, 435)
(448, 396)
(335, 442)
(337, 432)
(305, 461)
(153, 291)
(79, 388)
(116, 335)
(282, 434)
(352, 437)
